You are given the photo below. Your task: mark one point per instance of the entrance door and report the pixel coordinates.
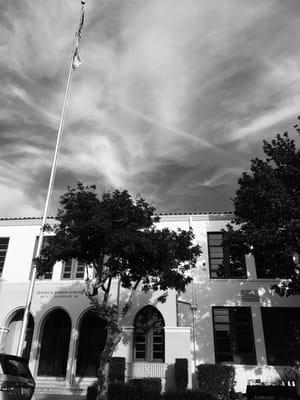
(55, 344)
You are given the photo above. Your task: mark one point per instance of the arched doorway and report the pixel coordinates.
(14, 331)
(92, 338)
(55, 344)
(149, 335)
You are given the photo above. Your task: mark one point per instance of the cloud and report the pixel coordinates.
(13, 202)
(171, 101)
(267, 120)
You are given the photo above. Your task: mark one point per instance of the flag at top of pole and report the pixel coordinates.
(77, 61)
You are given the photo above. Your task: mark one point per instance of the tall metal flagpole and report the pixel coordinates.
(75, 62)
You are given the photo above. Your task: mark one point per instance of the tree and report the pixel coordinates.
(267, 212)
(118, 238)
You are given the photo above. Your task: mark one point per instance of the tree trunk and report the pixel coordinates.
(114, 334)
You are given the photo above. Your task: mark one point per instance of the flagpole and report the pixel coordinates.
(50, 190)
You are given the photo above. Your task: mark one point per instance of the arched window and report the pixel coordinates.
(92, 338)
(149, 338)
(13, 335)
(55, 344)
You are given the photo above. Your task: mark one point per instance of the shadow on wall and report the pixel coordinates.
(170, 378)
(227, 293)
(208, 294)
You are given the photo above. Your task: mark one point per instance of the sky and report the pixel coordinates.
(171, 102)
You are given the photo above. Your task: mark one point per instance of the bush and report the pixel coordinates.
(188, 395)
(181, 374)
(145, 388)
(118, 391)
(135, 389)
(216, 379)
(117, 369)
(91, 392)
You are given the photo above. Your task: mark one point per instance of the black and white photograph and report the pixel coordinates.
(149, 199)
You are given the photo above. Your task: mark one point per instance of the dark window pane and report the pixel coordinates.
(149, 335)
(223, 260)
(140, 355)
(72, 269)
(67, 269)
(48, 274)
(79, 271)
(224, 357)
(234, 335)
(282, 334)
(3, 251)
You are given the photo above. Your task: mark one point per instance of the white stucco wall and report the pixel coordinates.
(180, 339)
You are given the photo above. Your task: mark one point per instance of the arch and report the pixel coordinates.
(55, 340)
(14, 323)
(149, 335)
(92, 338)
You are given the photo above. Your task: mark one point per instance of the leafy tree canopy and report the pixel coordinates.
(267, 211)
(117, 236)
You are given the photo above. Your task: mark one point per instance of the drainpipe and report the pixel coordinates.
(193, 308)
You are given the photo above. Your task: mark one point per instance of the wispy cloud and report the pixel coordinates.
(171, 101)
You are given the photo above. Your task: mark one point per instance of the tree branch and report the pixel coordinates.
(106, 291)
(128, 304)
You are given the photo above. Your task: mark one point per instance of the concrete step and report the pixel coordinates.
(47, 396)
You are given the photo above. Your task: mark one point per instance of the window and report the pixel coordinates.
(233, 335)
(272, 262)
(282, 334)
(224, 261)
(72, 269)
(14, 330)
(3, 250)
(149, 338)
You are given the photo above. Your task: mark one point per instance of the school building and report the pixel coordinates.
(227, 315)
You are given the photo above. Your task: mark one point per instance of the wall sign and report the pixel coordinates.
(47, 294)
(250, 295)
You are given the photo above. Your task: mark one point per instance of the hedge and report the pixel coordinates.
(216, 379)
(117, 369)
(188, 395)
(136, 389)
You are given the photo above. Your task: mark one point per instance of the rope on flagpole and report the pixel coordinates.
(50, 188)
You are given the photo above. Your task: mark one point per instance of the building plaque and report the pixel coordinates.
(250, 295)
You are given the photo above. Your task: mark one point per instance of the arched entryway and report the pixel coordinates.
(13, 335)
(149, 335)
(55, 344)
(92, 338)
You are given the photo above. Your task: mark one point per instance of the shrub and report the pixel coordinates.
(135, 389)
(118, 391)
(117, 369)
(91, 392)
(181, 374)
(216, 379)
(145, 389)
(188, 395)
